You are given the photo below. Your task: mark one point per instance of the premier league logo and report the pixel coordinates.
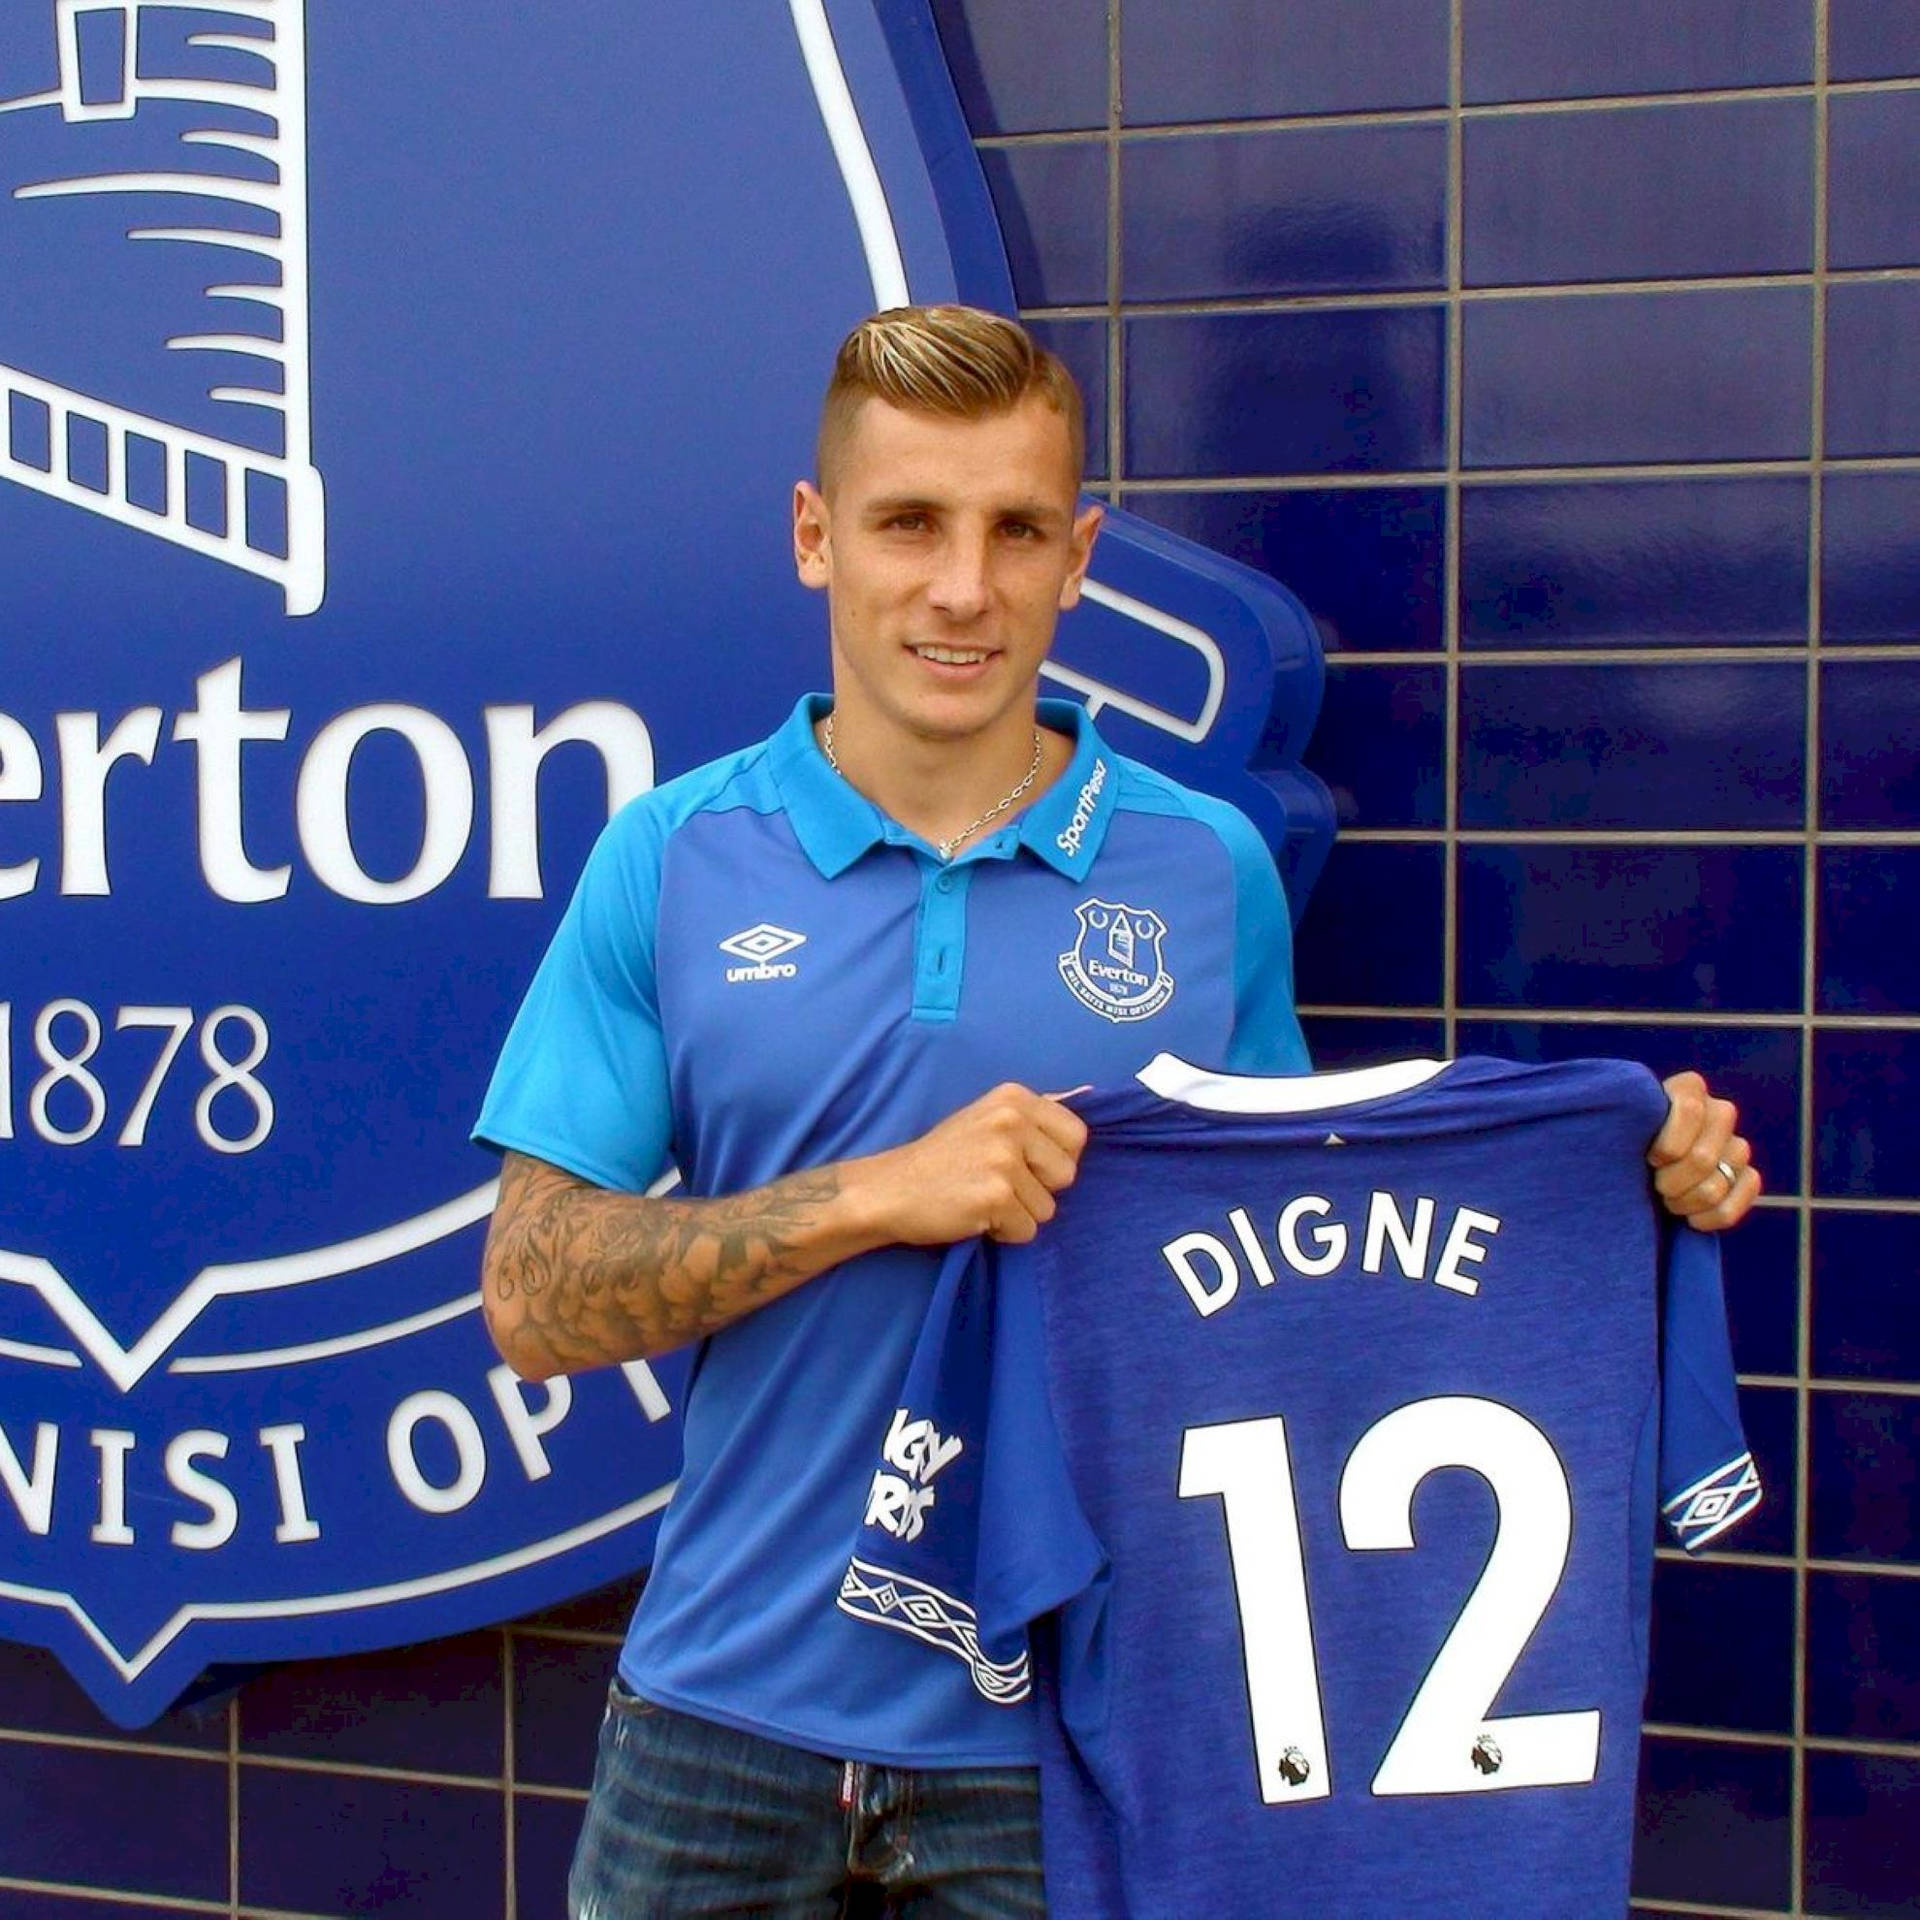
(1115, 966)
(395, 439)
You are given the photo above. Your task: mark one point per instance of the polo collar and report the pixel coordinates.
(1066, 825)
(835, 823)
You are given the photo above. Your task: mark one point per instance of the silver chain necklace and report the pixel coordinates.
(944, 848)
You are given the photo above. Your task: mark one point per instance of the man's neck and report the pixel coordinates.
(940, 788)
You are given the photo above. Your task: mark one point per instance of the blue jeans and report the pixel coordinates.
(688, 1817)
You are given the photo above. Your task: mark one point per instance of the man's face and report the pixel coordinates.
(948, 549)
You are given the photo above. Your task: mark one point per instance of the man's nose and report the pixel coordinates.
(959, 585)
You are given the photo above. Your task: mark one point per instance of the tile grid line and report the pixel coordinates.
(1453, 400)
(535, 1790)
(360, 1770)
(510, 1864)
(116, 1742)
(275, 1763)
(373, 1770)
(1676, 837)
(1741, 1737)
(1629, 1017)
(567, 1636)
(233, 1808)
(1590, 473)
(1116, 341)
(1834, 1383)
(1708, 1913)
(1150, 132)
(1712, 654)
(1231, 306)
(1783, 1562)
(165, 1903)
(1809, 908)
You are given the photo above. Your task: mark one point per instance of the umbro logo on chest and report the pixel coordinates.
(762, 949)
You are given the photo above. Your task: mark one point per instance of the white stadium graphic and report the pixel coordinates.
(258, 511)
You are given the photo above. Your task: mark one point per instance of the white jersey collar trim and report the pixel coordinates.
(1174, 1079)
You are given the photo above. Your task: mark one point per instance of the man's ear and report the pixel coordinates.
(1086, 525)
(812, 537)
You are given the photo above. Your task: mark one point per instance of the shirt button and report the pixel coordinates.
(945, 883)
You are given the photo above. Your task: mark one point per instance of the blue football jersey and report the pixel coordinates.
(1326, 1423)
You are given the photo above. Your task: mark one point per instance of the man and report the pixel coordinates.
(822, 977)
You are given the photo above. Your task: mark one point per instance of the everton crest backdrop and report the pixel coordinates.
(399, 406)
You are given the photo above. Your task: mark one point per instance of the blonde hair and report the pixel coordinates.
(958, 362)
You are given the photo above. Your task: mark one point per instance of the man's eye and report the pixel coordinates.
(907, 522)
(1021, 530)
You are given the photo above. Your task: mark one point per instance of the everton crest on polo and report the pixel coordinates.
(395, 439)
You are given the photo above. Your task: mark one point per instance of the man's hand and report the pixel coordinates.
(991, 1168)
(1696, 1152)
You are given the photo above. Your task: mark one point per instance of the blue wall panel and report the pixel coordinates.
(1714, 1826)
(1863, 1847)
(1188, 60)
(1371, 562)
(1873, 368)
(1567, 50)
(1300, 210)
(1639, 193)
(1669, 562)
(1319, 392)
(1591, 744)
(1609, 379)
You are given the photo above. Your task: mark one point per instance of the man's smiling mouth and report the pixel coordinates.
(953, 656)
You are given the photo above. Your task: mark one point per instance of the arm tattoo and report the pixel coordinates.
(577, 1276)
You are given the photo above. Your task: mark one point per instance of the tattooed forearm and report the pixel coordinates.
(575, 1276)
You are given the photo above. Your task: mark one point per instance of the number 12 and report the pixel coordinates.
(1446, 1743)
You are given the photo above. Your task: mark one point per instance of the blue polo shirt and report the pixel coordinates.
(760, 972)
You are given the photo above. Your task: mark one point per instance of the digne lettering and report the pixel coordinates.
(1307, 1242)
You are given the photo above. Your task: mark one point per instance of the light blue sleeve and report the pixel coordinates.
(582, 1080)
(1266, 1029)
